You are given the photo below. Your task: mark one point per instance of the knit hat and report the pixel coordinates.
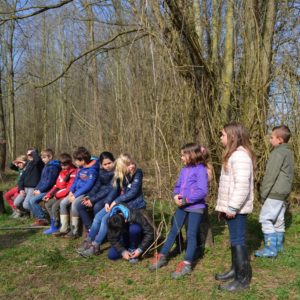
(21, 159)
(120, 209)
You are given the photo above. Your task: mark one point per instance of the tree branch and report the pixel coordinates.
(97, 48)
(40, 10)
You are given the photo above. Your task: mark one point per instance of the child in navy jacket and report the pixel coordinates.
(48, 177)
(88, 170)
(29, 179)
(94, 199)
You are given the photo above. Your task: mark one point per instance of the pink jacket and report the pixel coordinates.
(237, 184)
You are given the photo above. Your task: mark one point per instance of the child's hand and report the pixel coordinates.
(135, 253)
(71, 198)
(230, 215)
(176, 197)
(107, 207)
(36, 192)
(126, 255)
(45, 198)
(22, 193)
(177, 200)
(112, 205)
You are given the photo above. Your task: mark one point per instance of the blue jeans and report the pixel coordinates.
(35, 206)
(24, 200)
(98, 230)
(237, 230)
(130, 240)
(194, 220)
(65, 204)
(84, 214)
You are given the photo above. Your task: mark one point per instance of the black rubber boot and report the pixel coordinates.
(229, 274)
(243, 272)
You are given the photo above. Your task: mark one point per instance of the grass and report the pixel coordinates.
(35, 266)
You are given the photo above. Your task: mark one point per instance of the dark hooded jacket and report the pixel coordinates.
(131, 217)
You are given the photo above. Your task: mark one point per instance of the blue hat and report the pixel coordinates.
(120, 209)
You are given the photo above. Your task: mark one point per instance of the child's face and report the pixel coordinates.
(46, 158)
(20, 165)
(107, 165)
(223, 137)
(29, 155)
(184, 158)
(275, 140)
(64, 166)
(79, 163)
(131, 168)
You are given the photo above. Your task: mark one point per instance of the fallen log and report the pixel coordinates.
(23, 227)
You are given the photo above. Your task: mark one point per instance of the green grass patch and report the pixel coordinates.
(36, 266)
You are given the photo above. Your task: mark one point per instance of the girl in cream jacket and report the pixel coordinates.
(235, 201)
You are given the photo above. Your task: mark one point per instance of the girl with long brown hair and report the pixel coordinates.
(235, 201)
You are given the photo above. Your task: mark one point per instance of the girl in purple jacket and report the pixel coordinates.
(189, 195)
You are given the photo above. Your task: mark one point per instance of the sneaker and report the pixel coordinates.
(84, 246)
(40, 222)
(25, 215)
(158, 261)
(60, 234)
(71, 235)
(92, 250)
(16, 214)
(133, 260)
(182, 269)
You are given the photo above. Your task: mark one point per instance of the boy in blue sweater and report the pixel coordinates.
(84, 181)
(48, 177)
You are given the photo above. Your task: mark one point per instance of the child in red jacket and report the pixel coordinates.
(59, 191)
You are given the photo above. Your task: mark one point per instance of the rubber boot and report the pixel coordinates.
(64, 229)
(270, 249)
(279, 244)
(74, 232)
(243, 271)
(229, 274)
(52, 228)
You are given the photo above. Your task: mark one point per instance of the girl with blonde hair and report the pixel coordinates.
(127, 189)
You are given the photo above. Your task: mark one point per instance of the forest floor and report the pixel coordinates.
(35, 266)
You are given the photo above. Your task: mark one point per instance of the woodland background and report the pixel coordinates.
(146, 77)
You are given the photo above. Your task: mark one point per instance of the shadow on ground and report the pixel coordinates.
(10, 239)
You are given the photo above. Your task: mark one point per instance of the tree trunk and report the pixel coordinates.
(2, 130)
(11, 94)
(93, 75)
(227, 72)
(2, 206)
